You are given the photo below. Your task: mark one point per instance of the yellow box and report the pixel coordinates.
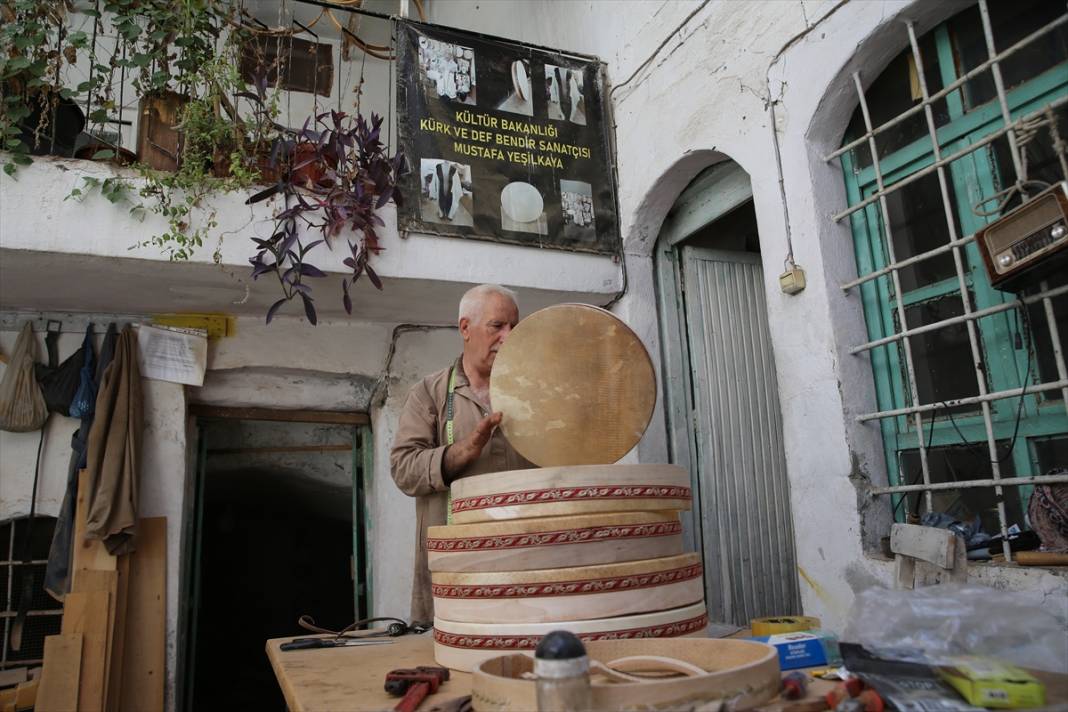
(986, 682)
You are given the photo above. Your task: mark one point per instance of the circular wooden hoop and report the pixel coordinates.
(744, 672)
(576, 386)
(571, 593)
(554, 542)
(579, 489)
(461, 646)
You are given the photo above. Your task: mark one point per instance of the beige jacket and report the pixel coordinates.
(416, 459)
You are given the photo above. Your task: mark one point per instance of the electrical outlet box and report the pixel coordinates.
(792, 280)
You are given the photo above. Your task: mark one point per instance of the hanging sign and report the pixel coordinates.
(505, 142)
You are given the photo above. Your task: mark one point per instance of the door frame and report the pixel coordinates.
(192, 511)
(715, 192)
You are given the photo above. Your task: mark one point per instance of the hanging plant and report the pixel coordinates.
(338, 177)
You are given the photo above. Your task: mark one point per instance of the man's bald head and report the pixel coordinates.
(474, 299)
(487, 314)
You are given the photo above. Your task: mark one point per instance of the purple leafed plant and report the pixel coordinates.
(335, 175)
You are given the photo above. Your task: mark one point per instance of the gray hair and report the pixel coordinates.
(471, 302)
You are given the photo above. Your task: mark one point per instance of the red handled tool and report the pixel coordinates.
(415, 684)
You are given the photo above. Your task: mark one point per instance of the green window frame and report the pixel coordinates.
(1007, 352)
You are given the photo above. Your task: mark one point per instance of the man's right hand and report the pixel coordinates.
(462, 453)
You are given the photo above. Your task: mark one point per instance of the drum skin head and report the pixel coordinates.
(575, 385)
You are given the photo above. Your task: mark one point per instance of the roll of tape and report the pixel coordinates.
(784, 624)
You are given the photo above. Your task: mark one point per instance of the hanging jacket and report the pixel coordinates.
(113, 464)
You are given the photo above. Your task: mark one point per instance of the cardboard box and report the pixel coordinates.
(807, 649)
(986, 682)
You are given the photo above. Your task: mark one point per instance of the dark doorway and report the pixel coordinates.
(276, 541)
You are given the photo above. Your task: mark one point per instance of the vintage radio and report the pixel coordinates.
(1029, 243)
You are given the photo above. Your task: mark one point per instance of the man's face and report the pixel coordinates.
(484, 336)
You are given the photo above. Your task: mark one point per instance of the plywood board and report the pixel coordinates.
(462, 646)
(116, 656)
(744, 672)
(144, 652)
(571, 593)
(87, 613)
(578, 489)
(62, 668)
(88, 553)
(576, 386)
(94, 580)
(554, 542)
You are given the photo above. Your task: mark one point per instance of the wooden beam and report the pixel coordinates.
(279, 449)
(290, 416)
(936, 546)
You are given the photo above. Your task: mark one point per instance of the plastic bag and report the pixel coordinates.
(22, 406)
(59, 382)
(1026, 627)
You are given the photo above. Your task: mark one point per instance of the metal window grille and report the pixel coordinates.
(1012, 129)
(44, 615)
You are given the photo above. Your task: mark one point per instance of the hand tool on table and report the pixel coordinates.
(311, 643)
(414, 684)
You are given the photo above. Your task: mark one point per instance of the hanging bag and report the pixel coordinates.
(85, 398)
(22, 407)
(59, 383)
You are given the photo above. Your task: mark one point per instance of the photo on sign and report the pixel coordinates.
(446, 192)
(576, 202)
(564, 90)
(447, 70)
(523, 209)
(519, 99)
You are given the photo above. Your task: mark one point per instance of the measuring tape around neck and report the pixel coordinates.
(449, 398)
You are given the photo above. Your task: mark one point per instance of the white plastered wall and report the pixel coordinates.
(716, 82)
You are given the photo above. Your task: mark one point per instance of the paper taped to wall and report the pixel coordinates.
(176, 355)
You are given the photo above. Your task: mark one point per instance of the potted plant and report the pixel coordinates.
(357, 179)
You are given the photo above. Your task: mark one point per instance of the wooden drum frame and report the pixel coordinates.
(742, 673)
(572, 593)
(578, 489)
(462, 646)
(554, 542)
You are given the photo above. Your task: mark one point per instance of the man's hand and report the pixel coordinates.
(462, 453)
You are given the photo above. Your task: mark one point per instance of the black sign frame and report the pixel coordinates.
(505, 141)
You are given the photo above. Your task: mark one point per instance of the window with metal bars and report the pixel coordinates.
(966, 123)
(45, 614)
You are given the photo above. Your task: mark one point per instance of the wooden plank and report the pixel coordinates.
(88, 553)
(146, 621)
(13, 676)
(26, 695)
(86, 612)
(58, 691)
(94, 580)
(936, 546)
(118, 635)
(289, 416)
(1040, 558)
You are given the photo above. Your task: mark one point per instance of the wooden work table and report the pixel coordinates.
(344, 679)
(351, 679)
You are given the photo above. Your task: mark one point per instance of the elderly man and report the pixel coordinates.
(447, 429)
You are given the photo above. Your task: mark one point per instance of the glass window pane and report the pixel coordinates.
(956, 463)
(1043, 343)
(895, 91)
(942, 358)
(918, 224)
(1042, 163)
(1011, 22)
(1051, 453)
